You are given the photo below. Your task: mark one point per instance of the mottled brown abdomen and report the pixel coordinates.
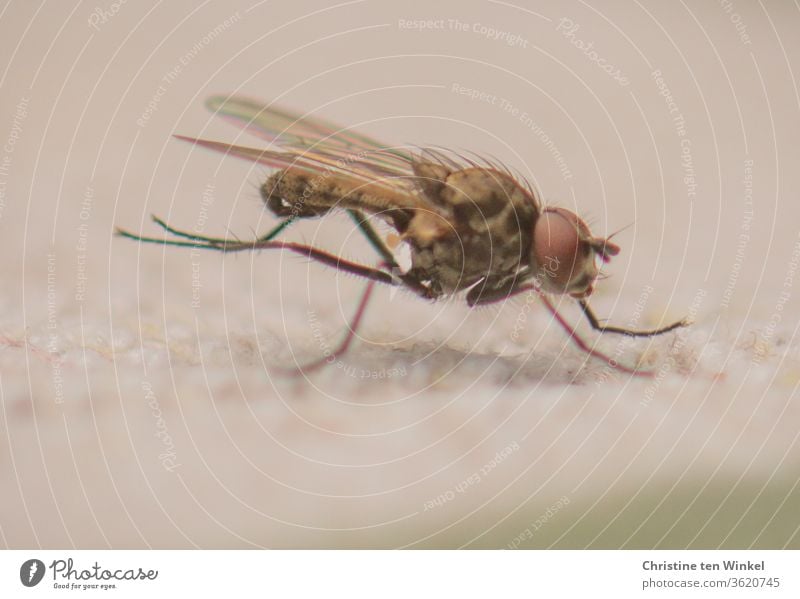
(300, 194)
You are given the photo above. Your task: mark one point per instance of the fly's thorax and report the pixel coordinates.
(565, 255)
(479, 196)
(430, 177)
(480, 224)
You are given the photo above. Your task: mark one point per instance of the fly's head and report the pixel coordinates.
(565, 255)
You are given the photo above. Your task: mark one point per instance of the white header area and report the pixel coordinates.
(399, 574)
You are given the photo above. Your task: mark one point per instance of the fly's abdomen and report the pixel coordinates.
(298, 193)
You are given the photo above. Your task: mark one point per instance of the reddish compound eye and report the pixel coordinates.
(564, 253)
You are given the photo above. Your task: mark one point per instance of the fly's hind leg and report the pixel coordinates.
(344, 345)
(218, 241)
(201, 241)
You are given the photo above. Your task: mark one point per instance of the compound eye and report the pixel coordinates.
(562, 254)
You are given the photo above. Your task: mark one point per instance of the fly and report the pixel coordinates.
(471, 226)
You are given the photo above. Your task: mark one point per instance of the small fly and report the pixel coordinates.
(470, 224)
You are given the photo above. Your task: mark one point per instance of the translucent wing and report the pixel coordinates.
(271, 158)
(312, 144)
(292, 130)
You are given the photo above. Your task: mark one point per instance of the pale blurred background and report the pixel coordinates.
(139, 404)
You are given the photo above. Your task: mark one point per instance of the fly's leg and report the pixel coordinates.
(386, 254)
(585, 347)
(393, 277)
(272, 234)
(313, 253)
(372, 236)
(202, 240)
(374, 275)
(344, 345)
(604, 328)
(495, 295)
(481, 294)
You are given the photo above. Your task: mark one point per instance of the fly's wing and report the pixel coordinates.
(293, 131)
(313, 145)
(270, 158)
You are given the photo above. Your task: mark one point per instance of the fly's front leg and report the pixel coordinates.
(604, 328)
(587, 348)
(479, 295)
